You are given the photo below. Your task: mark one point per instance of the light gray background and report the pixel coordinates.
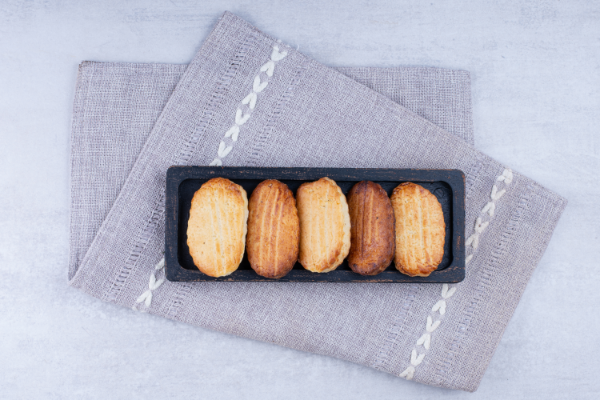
(536, 102)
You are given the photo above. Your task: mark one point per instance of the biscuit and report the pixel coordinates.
(324, 225)
(372, 229)
(420, 230)
(216, 233)
(273, 230)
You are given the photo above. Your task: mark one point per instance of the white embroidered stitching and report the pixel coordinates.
(490, 209)
(268, 68)
(153, 284)
(223, 151)
(447, 291)
(233, 132)
(250, 100)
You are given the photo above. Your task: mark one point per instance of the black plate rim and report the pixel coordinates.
(454, 273)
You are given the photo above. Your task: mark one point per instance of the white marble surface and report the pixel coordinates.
(536, 98)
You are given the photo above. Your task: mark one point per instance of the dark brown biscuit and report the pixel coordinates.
(372, 229)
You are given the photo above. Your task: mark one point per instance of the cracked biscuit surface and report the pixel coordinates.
(216, 233)
(420, 230)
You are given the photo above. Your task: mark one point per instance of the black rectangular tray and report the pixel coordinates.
(182, 182)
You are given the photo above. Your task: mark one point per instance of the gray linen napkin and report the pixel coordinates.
(117, 104)
(248, 100)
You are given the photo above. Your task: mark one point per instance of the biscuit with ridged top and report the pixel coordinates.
(372, 229)
(273, 230)
(216, 234)
(420, 230)
(324, 225)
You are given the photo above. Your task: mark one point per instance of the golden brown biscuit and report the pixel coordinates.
(217, 227)
(324, 225)
(420, 230)
(273, 229)
(372, 232)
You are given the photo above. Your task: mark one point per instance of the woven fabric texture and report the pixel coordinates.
(247, 99)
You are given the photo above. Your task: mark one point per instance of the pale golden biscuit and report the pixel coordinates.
(372, 233)
(324, 225)
(273, 230)
(216, 233)
(420, 230)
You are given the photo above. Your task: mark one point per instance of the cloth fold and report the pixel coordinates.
(247, 99)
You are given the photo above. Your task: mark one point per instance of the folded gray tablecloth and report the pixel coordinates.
(247, 99)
